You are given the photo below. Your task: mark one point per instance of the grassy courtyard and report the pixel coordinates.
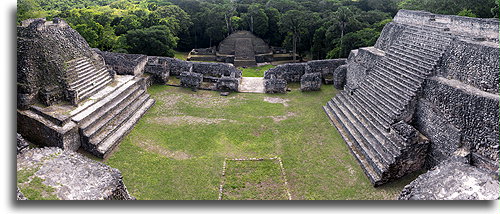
(178, 148)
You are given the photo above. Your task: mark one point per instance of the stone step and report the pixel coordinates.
(387, 103)
(385, 79)
(410, 60)
(373, 176)
(378, 107)
(112, 121)
(377, 140)
(395, 67)
(415, 53)
(422, 46)
(76, 61)
(373, 112)
(84, 81)
(368, 116)
(366, 142)
(416, 71)
(396, 76)
(89, 91)
(396, 90)
(106, 147)
(425, 38)
(78, 73)
(84, 115)
(428, 34)
(372, 158)
(97, 120)
(116, 122)
(86, 71)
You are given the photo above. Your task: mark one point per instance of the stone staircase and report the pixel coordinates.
(365, 116)
(244, 53)
(104, 123)
(85, 78)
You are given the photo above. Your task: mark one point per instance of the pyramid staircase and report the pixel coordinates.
(85, 78)
(365, 116)
(105, 122)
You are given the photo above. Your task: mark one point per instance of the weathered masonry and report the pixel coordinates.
(241, 48)
(67, 96)
(427, 90)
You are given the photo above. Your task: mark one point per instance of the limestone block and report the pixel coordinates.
(228, 84)
(191, 80)
(310, 82)
(339, 77)
(72, 175)
(452, 180)
(275, 85)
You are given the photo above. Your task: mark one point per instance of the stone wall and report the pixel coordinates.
(36, 128)
(473, 63)
(467, 115)
(43, 47)
(124, 64)
(471, 27)
(163, 67)
(359, 64)
(293, 72)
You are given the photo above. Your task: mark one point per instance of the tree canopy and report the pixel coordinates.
(313, 28)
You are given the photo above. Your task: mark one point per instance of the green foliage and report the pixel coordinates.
(153, 41)
(481, 8)
(466, 12)
(310, 27)
(354, 40)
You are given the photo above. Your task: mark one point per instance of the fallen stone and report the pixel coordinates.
(71, 175)
(452, 180)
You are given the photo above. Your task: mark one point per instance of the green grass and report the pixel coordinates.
(181, 55)
(32, 187)
(255, 180)
(177, 149)
(256, 71)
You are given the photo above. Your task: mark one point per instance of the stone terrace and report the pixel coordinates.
(376, 113)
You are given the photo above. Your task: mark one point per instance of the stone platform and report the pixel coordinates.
(68, 175)
(252, 85)
(97, 124)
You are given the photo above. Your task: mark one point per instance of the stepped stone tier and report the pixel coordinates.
(55, 64)
(428, 88)
(68, 97)
(241, 48)
(71, 175)
(310, 75)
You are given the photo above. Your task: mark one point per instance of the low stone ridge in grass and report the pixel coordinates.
(254, 180)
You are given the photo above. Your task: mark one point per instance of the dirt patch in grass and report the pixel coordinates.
(155, 148)
(186, 120)
(169, 100)
(280, 118)
(276, 100)
(208, 100)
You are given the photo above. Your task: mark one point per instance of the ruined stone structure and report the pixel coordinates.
(310, 75)
(67, 96)
(218, 76)
(124, 64)
(428, 88)
(241, 48)
(71, 175)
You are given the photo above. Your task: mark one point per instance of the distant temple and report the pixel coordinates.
(242, 48)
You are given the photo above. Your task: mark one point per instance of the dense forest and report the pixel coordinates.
(322, 28)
